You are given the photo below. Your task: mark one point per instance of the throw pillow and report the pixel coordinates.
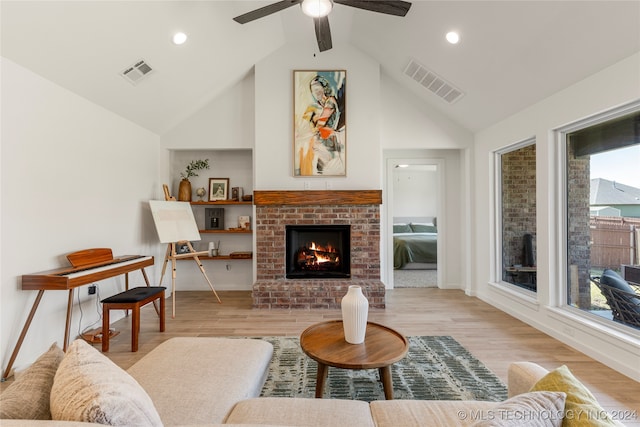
(423, 228)
(27, 398)
(613, 279)
(581, 407)
(401, 228)
(535, 409)
(89, 387)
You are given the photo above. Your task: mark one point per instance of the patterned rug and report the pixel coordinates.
(435, 368)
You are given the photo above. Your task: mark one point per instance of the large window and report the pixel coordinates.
(602, 175)
(517, 207)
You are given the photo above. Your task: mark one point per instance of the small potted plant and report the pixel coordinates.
(184, 191)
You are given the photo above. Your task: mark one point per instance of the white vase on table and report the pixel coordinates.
(355, 310)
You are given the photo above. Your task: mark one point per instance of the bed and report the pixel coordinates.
(415, 243)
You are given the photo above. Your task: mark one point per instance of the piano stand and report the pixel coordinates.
(88, 266)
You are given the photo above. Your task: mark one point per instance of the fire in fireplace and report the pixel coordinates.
(318, 251)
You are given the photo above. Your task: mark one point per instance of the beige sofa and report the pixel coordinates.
(216, 381)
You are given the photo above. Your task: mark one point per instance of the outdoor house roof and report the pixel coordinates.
(611, 193)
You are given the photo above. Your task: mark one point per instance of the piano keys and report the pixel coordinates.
(71, 277)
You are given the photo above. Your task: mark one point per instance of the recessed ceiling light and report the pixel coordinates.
(402, 166)
(453, 37)
(179, 38)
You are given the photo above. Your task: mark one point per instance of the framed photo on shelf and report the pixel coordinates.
(319, 123)
(218, 189)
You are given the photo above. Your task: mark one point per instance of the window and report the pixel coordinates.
(602, 208)
(517, 207)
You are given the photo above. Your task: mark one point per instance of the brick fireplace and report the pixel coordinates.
(276, 209)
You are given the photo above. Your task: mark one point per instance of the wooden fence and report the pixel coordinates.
(614, 241)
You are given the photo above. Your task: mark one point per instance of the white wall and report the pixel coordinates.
(274, 119)
(614, 86)
(74, 176)
(411, 129)
(380, 114)
(415, 193)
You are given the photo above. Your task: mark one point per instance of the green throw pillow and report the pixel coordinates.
(581, 407)
(401, 228)
(423, 228)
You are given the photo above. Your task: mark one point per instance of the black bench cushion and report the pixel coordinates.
(134, 294)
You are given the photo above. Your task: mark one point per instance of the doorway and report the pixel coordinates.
(414, 195)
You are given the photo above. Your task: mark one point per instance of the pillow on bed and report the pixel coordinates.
(423, 228)
(402, 228)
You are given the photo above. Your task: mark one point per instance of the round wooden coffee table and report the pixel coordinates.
(324, 342)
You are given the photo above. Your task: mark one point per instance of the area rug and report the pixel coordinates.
(435, 368)
(415, 278)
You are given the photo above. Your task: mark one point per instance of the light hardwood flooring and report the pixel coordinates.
(491, 335)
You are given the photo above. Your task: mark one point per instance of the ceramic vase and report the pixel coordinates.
(355, 310)
(184, 191)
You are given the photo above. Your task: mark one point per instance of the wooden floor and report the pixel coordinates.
(491, 335)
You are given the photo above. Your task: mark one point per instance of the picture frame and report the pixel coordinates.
(218, 189)
(319, 123)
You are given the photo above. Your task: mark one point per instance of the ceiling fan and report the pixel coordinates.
(319, 11)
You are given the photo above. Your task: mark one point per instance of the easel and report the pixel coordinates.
(172, 255)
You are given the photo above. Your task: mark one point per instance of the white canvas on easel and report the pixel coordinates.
(175, 223)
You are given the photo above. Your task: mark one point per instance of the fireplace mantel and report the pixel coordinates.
(323, 197)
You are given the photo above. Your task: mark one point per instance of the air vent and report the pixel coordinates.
(135, 73)
(433, 82)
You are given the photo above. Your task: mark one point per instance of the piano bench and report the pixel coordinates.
(132, 300)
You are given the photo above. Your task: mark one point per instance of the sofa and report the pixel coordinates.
(217, 381)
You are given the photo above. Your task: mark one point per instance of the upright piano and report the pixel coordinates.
(87, 266)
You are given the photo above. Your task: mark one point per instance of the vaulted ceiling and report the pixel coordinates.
(511, 54)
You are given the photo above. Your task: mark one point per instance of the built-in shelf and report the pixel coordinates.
(240, 231)
(217, 258)
(222, 202)
(224, 231)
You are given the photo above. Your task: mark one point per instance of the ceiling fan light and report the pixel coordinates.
(316, 8)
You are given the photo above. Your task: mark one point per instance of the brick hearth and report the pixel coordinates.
(276, 209)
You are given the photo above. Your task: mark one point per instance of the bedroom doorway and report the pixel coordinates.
(415, 205)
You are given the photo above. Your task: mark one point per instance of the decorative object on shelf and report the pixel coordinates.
(319, 123)
(237, 193)
(182, 248)
(355, 311)
(241, 255)
(244, 222)
(214, 248)
(201, 192)
(218, 189)
(214, 219)
(184, 190)
(247, 198)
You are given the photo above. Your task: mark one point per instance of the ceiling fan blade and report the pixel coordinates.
(398, 8)
(323, 33)
(266, 10)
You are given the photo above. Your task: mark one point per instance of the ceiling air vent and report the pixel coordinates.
(433, 82)
(135, 73)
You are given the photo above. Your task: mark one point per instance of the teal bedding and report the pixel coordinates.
(414, 247)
